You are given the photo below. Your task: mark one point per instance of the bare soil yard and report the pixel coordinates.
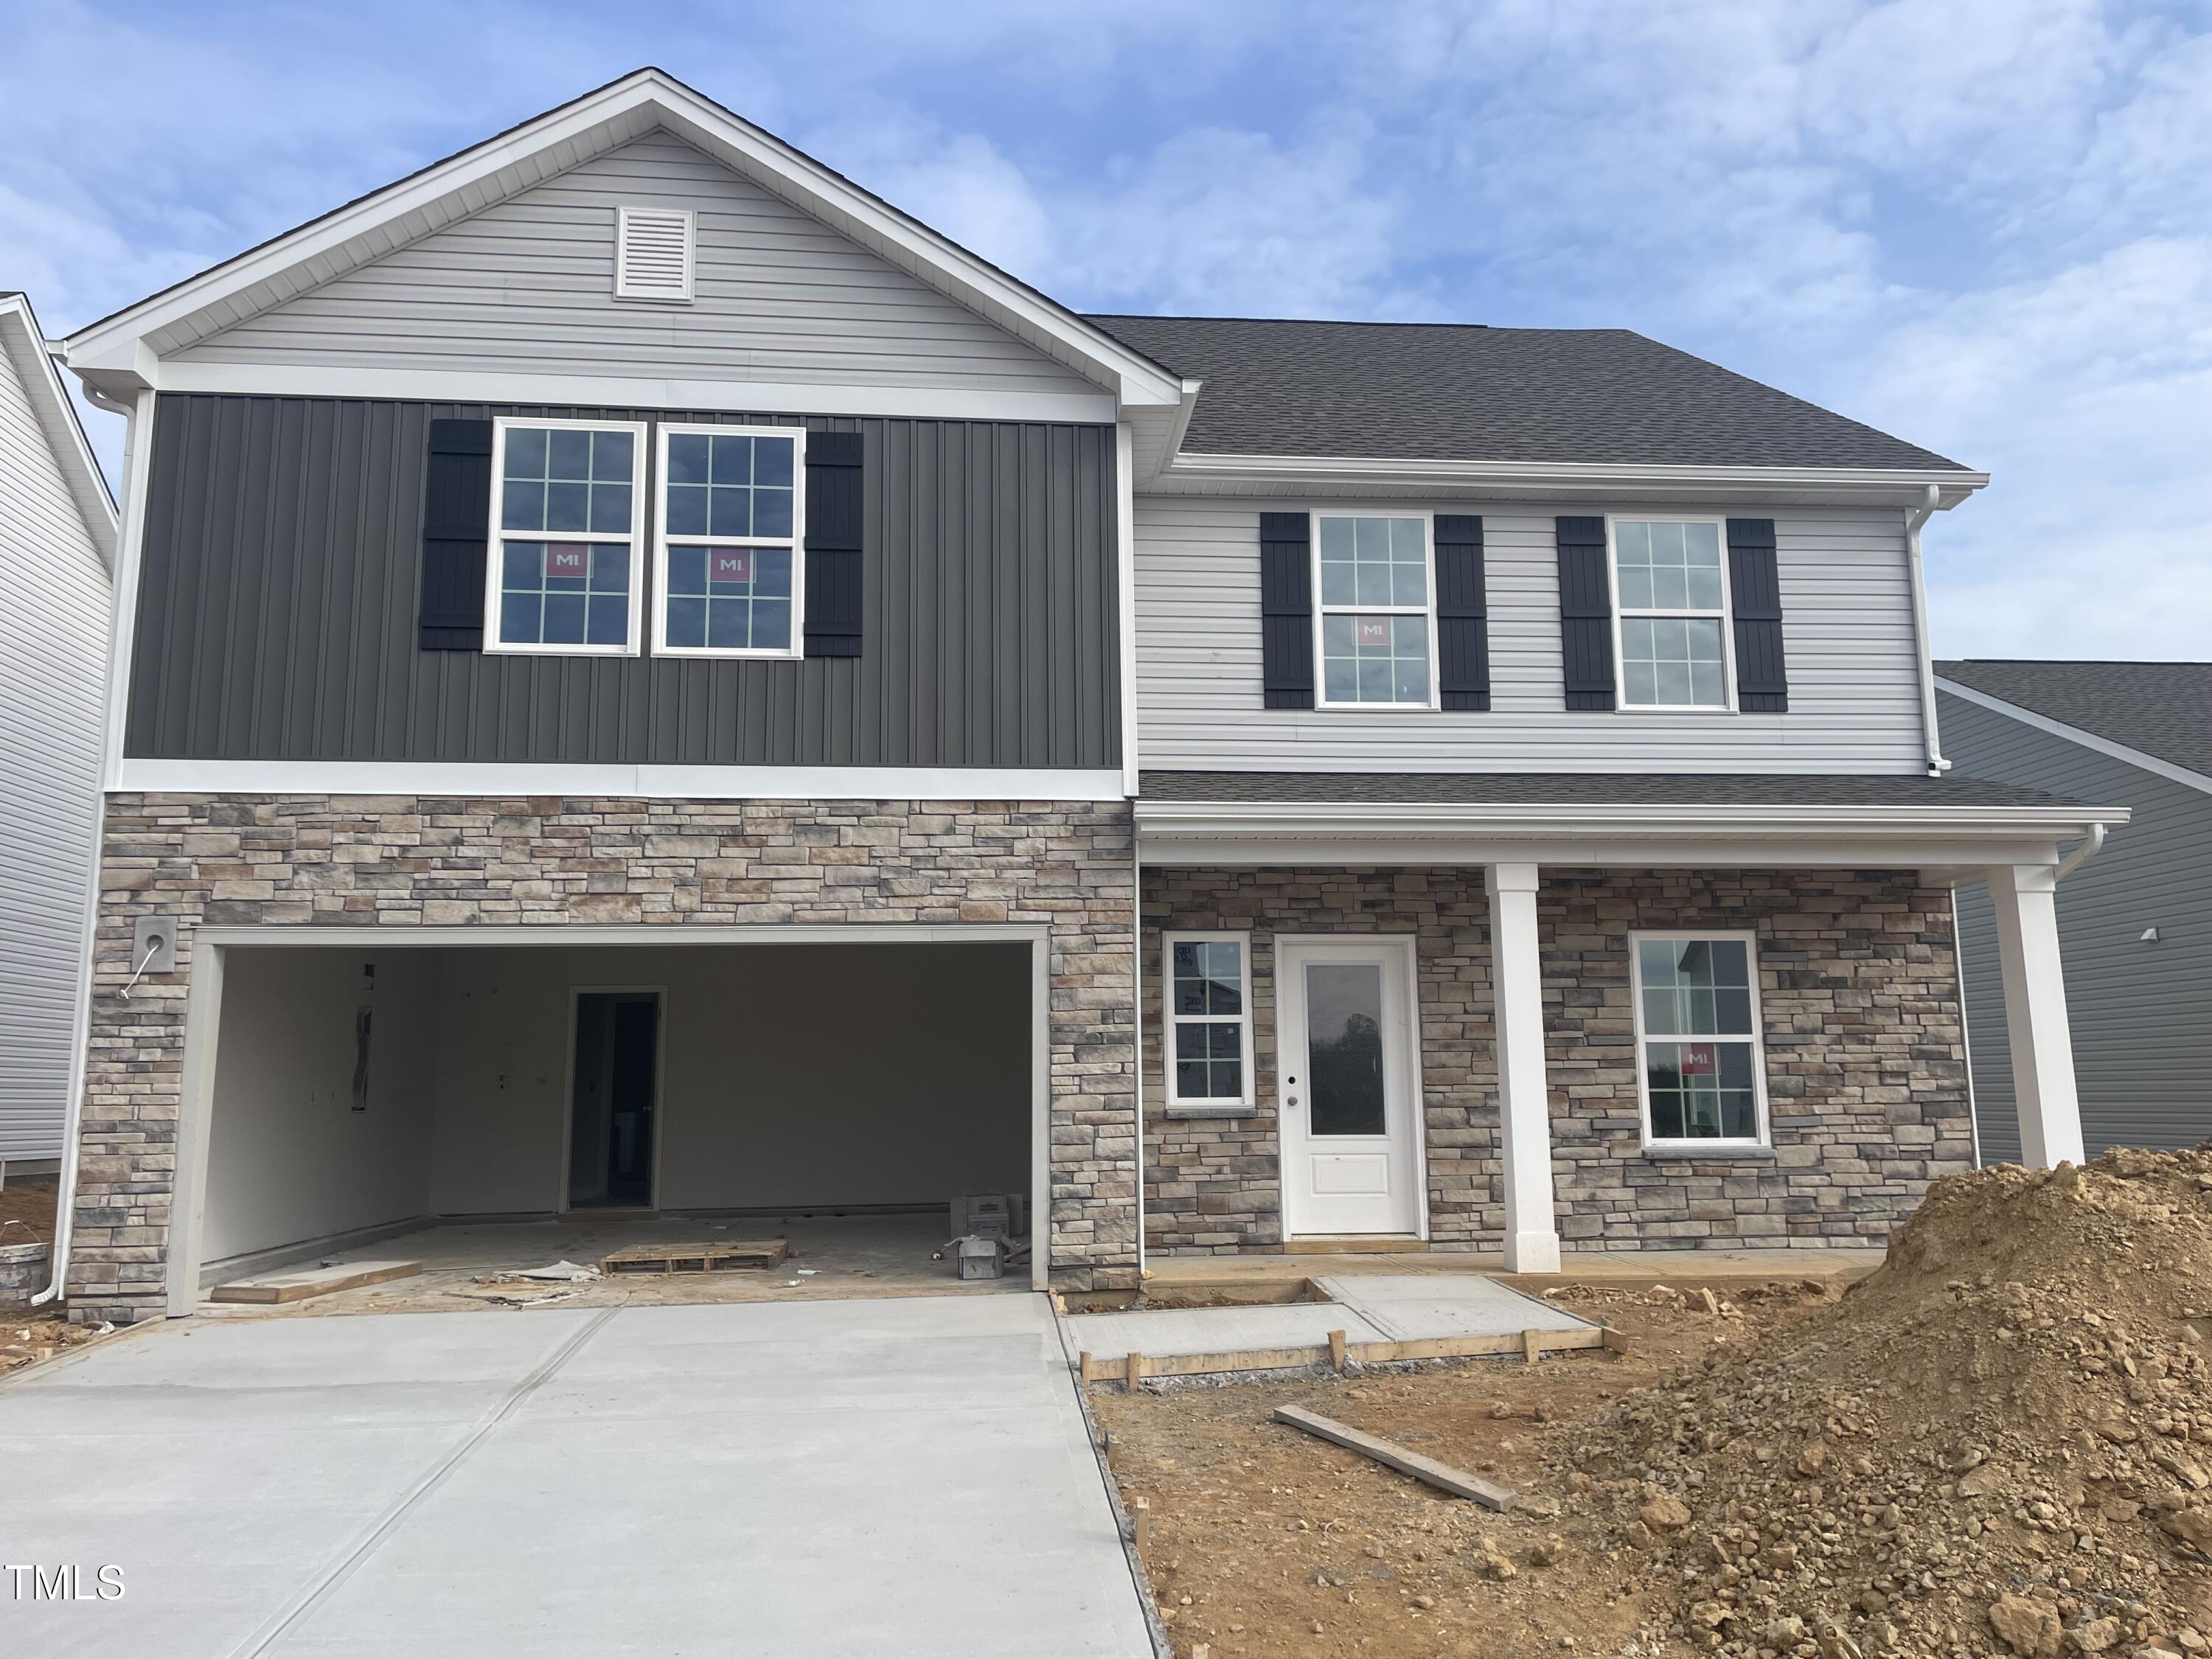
(2001, 1443)
(1262, 1541)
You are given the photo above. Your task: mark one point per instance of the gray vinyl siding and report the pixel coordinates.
(1847, 628)
(277, 611)
(2140, 1012)
(54, 647)
(528, 286)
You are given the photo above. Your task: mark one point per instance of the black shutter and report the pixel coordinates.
(1286, 609)
(1585, 612)
(1463, 613)
(1762, 680)
(833, 544)
(456, 530)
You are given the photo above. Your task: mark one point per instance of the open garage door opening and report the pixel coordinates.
(487, 1110)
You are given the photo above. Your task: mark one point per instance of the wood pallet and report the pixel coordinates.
(1530, 1345)
(687, 1258)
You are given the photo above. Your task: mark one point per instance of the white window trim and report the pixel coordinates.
(1724, 615)
(796, 540)
(1168, 943)
(623, 288)
(495, 549)
(1373, 510)
(1764, 1138)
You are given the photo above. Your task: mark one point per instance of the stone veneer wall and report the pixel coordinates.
(402, 862)
(1864, 1053)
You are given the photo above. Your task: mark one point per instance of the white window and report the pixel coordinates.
(1209, 1004)
(566, 562)
(1670, 612)
(1376, 616)
(1700, 1069)
(732, 582)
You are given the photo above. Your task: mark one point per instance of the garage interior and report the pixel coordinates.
(486, 1109)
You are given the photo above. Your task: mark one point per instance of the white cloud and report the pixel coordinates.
(1979, 223)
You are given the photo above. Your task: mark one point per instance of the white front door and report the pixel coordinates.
(1347, 1068)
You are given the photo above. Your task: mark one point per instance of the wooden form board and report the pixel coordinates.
(1390, 1454)
(1530, 1345)
(688, 1258)
(312, 1281)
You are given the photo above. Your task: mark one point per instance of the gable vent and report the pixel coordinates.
(652, 254)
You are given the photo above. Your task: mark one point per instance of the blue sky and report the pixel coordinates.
(1985, 227)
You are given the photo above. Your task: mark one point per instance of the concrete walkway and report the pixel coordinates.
(904, 1476)
(1366, 1307)
(1626, 1269)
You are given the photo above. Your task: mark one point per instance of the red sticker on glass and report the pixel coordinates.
(733, 564)
(567, 561)
(1374, 631)
(1700, 1060)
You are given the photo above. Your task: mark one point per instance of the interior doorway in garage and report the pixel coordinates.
(489, 1107)
(617, 1079)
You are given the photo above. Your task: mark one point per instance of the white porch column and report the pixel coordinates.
(2027, 900)
(1524, 1108)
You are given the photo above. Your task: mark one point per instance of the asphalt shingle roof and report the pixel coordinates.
(1455, 392)
(2162, 709)
(1584, 789)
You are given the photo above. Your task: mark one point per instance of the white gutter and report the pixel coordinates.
(1883, 484)
(1914, 518)
(1561, 819)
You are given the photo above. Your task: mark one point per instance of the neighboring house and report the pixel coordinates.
(2135, 923)
(652, 680)
(57, 541)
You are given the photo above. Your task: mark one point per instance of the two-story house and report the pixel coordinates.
(653, 681)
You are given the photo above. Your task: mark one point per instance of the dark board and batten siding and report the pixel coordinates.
(277, 615)
(2140, 1010)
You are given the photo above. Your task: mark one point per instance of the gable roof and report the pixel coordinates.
(25, 344)
(2162, 710)
(503, 166)
(1445, 391)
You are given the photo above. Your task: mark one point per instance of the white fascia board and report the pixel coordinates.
(786, 398)
(1884, 486)
(504, 166)
(1560, 825)
(2090, 740)
(466, 778)
(1623, 851)
(25, 345)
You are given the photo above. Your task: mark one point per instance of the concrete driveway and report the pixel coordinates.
(828, 1478)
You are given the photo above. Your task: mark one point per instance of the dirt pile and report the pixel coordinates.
(2000, 1443)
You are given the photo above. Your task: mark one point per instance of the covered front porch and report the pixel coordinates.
(1530, 1016)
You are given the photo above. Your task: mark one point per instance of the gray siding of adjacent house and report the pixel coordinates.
(277, 611)
(2140, 1012)
(527, 286)
(1847, 628)
(53, 650)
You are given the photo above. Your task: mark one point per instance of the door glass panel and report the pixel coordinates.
(1344, 1048)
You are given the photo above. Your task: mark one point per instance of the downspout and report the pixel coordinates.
(1137, 1000)
(124, 571)
(2092, 844)
(1914, 518)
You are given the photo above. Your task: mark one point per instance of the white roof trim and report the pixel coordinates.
(504, 166)
(25, 344)
(1563, 818)
(1931, 838)
(2090, 740)
(1884, 485)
